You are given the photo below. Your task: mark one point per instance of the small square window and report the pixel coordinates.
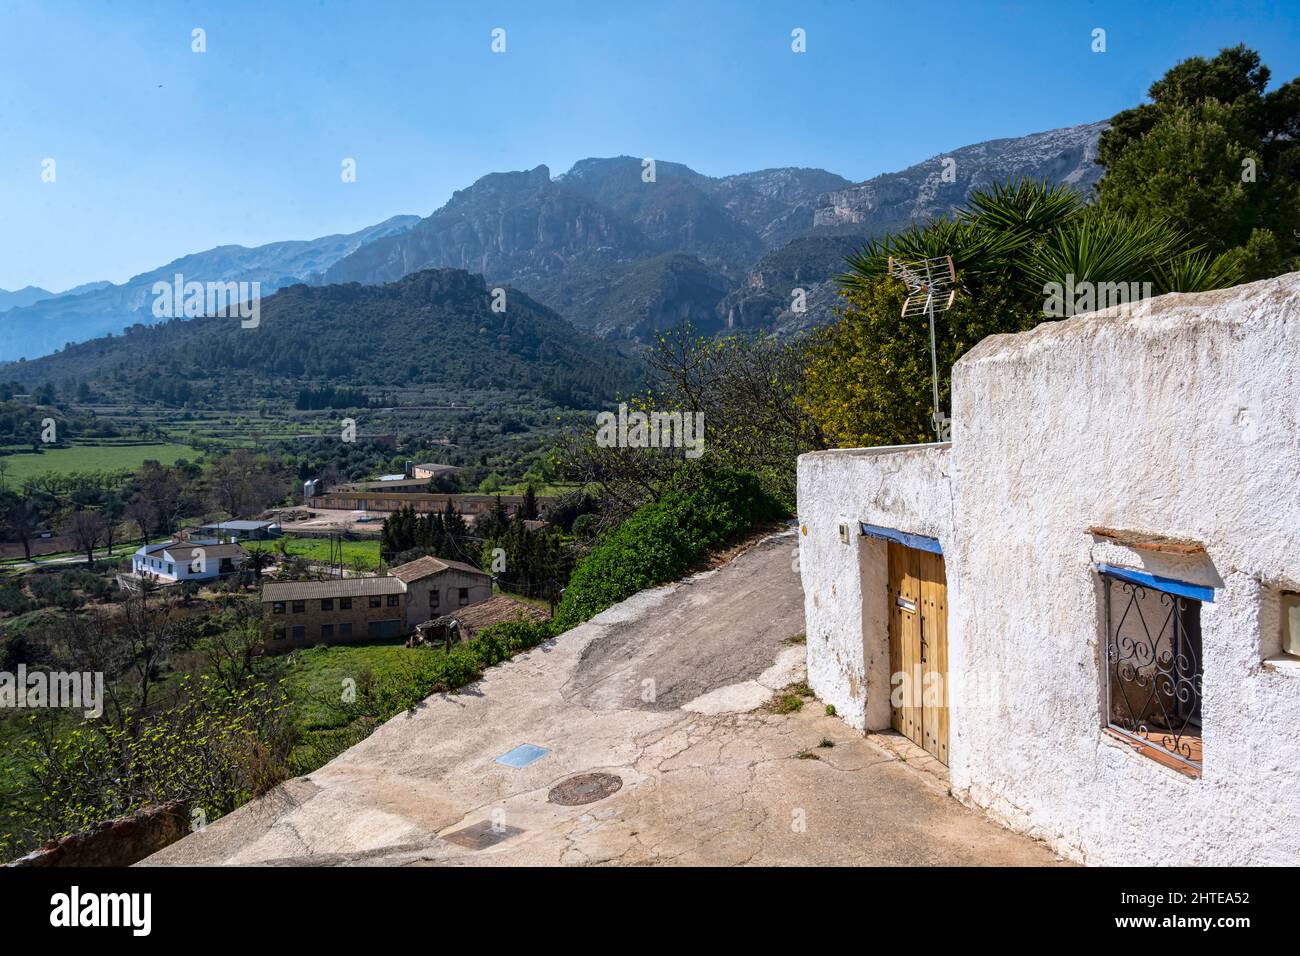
(299, 607)
(327, 604)
(277, 607)
(1153, 668)
(326, 631)
(1291, 624)
(392, 600)
(375, 601)
(345, 629)
(345, 604)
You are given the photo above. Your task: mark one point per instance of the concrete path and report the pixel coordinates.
(669, 693)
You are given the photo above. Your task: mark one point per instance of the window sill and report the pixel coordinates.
(1152, 752)
(1283, 664)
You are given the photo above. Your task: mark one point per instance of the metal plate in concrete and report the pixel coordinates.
(522, 756)
(480, 836)
(585, 788)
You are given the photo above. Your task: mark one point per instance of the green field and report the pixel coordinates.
(318, 549)
(315, 678)
(115, 457)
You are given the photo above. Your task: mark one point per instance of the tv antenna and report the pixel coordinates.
(931, 287)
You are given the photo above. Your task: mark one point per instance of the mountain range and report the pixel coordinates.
(105, 308)
(29, 295)
(395, 335)
(621, 247)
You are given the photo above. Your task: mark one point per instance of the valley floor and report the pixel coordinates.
(675, 693)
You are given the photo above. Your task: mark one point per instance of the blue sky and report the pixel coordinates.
(161, 151)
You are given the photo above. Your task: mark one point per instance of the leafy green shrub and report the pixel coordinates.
(13, 601)
(92, 585)
(216, 748)
(496, 642)
(706, 508)
(51, 590)
(585, 527)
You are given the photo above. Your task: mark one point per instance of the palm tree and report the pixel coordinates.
(257, 561)
(1022, 237)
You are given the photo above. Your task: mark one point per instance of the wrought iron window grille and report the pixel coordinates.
(1154, 668)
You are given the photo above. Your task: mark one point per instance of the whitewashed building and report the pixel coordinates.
(174, 561)
(1086, 604)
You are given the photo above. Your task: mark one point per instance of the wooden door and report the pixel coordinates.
(918, 648)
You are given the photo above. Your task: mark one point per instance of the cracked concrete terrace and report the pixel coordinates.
(665, 691)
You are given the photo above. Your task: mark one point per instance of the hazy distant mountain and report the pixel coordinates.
(49, 323)
(624, 256)
(434, 328)
(31, 294)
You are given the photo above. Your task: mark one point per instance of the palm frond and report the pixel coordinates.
(1196, 272)
(1026, 207)
(1102, 248)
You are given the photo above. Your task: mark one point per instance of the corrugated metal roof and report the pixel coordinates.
(336, 587)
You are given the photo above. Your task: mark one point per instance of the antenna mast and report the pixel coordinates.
(932, 287)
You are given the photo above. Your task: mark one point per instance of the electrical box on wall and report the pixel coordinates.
(844, 532)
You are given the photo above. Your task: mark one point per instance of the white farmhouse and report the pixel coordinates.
(1086, 604)
(174, 561)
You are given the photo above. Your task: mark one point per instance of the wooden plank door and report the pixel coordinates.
(905, 642)
(918, 647)
(934, 654)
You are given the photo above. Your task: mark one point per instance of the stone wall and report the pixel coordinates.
(119, 842)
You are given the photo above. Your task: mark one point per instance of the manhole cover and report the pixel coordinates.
(585, 788)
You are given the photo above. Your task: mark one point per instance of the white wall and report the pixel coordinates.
(157, 563)
(1179, 419)
(845, 603)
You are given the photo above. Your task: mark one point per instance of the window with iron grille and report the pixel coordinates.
(1154, 665)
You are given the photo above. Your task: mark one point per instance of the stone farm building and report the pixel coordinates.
(341, 610)
(393, 496)
(338, 611)
(436, 586)
(1086, 605)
